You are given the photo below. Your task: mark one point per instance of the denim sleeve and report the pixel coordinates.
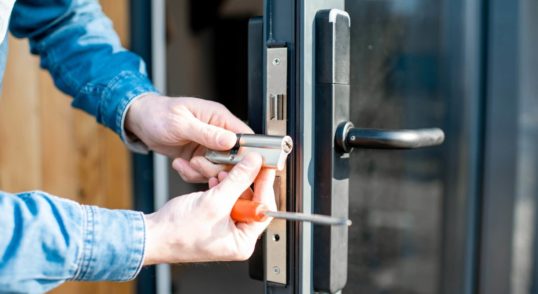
(46, 240)
(78, 46)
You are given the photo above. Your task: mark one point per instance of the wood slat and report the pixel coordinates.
(20, 161)
(49, 146)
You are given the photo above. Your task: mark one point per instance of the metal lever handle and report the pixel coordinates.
(347, 137)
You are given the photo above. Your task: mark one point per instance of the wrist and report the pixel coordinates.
(135, 114)
(151, 251)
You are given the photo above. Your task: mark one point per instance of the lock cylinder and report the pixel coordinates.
(273, 149)
(285, 143)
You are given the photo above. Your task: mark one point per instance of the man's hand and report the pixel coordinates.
(182, 128)
(197, 227)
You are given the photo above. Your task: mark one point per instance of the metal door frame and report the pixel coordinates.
(509, 68)
(150, 172)
(292, 22)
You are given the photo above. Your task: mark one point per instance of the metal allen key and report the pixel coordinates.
(273, 149)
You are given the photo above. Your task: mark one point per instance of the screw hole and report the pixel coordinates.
(276, 237)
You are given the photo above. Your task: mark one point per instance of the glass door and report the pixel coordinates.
(413, 65)
(453, 218)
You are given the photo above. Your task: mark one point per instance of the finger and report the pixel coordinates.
(222, 175)
(253, 230)
(236, 125)
(213, 182)
(264, 188)
(206, 167)
(263, 193)
(218, 115)
(188, 151)
(209, 136)
(186, 172)
(238, 180)
(247, 194)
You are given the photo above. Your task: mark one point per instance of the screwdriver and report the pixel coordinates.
(248, 211)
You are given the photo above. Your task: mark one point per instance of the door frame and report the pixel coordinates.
(292, 22)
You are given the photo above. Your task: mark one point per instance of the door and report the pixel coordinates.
(400, 235)
(452, 218)
(456, 218)
(413, 211)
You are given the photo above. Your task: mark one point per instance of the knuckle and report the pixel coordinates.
(209, 173)
(187, 177)
(178, 109)
(219, 106)
(238, 175)
(208, 134)
(196, 164)
(204, 168)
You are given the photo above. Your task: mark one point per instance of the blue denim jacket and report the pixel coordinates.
(45, 240)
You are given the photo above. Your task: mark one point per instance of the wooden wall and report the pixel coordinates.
(47, 145)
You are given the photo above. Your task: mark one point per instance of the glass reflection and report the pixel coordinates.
(395, 203)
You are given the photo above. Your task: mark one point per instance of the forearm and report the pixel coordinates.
(46, 240)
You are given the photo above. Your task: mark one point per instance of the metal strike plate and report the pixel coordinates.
(273, 149)
(275, 123)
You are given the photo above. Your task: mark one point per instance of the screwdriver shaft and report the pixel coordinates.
(313, 218)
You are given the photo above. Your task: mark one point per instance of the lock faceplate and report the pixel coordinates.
(275, 112)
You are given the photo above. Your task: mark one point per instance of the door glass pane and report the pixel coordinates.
(396, 196)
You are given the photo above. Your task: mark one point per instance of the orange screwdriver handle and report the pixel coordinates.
(248, 211)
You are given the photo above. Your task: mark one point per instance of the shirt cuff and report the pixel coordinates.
(119, 94)
(113, 245)
(132, 142)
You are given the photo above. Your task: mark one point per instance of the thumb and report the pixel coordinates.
(238, 180)
(210, 136)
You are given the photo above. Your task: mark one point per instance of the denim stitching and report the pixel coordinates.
(136, 259)
(89, 240)
(80, 256)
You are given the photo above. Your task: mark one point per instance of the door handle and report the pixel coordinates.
(334, 139)
(348, 137)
